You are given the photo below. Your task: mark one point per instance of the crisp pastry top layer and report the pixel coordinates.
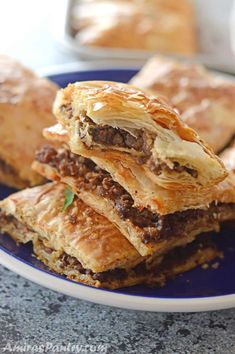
(205, 101)
(79, 230)
(25, 109)
(162, 25)
(138, 129)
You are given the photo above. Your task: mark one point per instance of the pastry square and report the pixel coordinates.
(25, 109)
(85, 246)
(205, 101)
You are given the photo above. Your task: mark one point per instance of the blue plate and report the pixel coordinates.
(196, 286)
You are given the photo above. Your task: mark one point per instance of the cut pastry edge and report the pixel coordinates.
(123, 109)
(199, 257)
(149, 239)
(170, 162)
(133, 178)
(168, 266)
(79, 230)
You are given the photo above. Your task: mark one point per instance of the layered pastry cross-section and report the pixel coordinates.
(85, 246)
(119, 125)
(108, 177)
(149, 232)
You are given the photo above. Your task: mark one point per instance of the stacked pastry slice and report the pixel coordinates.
(85, 246)
(155, 209)
(148, 189)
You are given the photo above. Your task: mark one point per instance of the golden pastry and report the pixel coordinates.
(150, 233)
(135, 136)
(205, 101)
(85, 246)
(25, 109)
(159, 25)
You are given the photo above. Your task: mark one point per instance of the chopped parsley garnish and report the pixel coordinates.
(69, 197)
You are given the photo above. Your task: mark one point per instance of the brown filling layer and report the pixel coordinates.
(175, 257)
(72, 263)
(90, 177)
(117, 137)
(141, 142)
(107, 135)
(155, 227)
(158, 167)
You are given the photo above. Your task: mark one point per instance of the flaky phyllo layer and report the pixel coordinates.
(148, 231)
(142, 131)
(85, 246)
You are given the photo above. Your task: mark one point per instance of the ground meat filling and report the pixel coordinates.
(141, 142)
(68, 262)
(158, 167)
(91, 177)
(174, 257)
(155, 227)
(106, 135)
(71, 263)
(118, 137)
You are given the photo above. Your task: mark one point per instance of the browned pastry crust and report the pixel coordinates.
(205, 101)
(176, 262)
(161, 25)
(25, 109)
(149, 232)
(79, 230)
(62, 259)
(143, 139)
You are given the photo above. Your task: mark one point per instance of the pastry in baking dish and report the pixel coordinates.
(25, 109)
(159, 25)
(135, 136)
(205, 101)
(85, 246)
(149, 232)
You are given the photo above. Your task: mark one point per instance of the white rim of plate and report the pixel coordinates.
(105, 297)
